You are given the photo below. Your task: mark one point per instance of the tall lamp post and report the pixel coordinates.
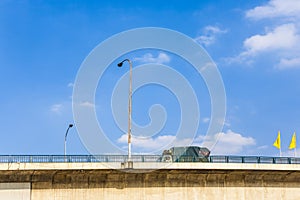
(70, 126)
(129, 105)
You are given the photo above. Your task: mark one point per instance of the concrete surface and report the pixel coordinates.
(155, 180)
(15, 191)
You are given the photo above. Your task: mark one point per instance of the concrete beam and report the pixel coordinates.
(149, 166)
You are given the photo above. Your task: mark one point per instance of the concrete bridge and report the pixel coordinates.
(148, 180)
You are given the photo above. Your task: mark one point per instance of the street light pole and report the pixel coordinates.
(129, 105)
(70, 126)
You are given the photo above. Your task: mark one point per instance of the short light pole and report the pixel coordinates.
(129, 105)
(70, 126)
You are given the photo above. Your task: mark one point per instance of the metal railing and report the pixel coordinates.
(142, 158)
(254, 159)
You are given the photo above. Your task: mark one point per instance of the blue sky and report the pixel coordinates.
(253, 43)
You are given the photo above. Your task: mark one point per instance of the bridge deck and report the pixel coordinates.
(149, 166)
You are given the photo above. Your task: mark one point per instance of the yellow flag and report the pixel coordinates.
(293, 142)
(277, 141)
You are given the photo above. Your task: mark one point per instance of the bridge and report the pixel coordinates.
(104, 177)
(141, 158)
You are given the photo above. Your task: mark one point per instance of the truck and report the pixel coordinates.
(186, 154)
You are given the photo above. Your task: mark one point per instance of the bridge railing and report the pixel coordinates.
(254, 159)
(142, 158)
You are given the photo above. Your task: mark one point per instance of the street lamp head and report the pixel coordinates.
(70, 125)
(121, 63)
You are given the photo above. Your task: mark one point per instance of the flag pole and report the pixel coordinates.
(295, 150)
(293, 144)
(277, 143)
(280, 152)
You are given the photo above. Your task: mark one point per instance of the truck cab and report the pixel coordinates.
(186, 154)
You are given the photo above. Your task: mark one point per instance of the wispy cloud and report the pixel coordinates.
(288, 63)
(290, 153)
(209, 35)
(150, 58)
(56, 108)
(148, 143)
(263, 147)
(205, 120)
(71, 85)
(87, 104)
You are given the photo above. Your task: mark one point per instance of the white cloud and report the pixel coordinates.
(281, 38)
(288, 63)
(276, 8)
(56, 108)
(290, 153)
(87, 104)
(148, 143)
(281, 41)
(263, 147)
(70, 84)
(233, 138)
(227, 142)
(209, 35)
(231, 143)
(154, 144)
(205, 120)
(149, 58)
